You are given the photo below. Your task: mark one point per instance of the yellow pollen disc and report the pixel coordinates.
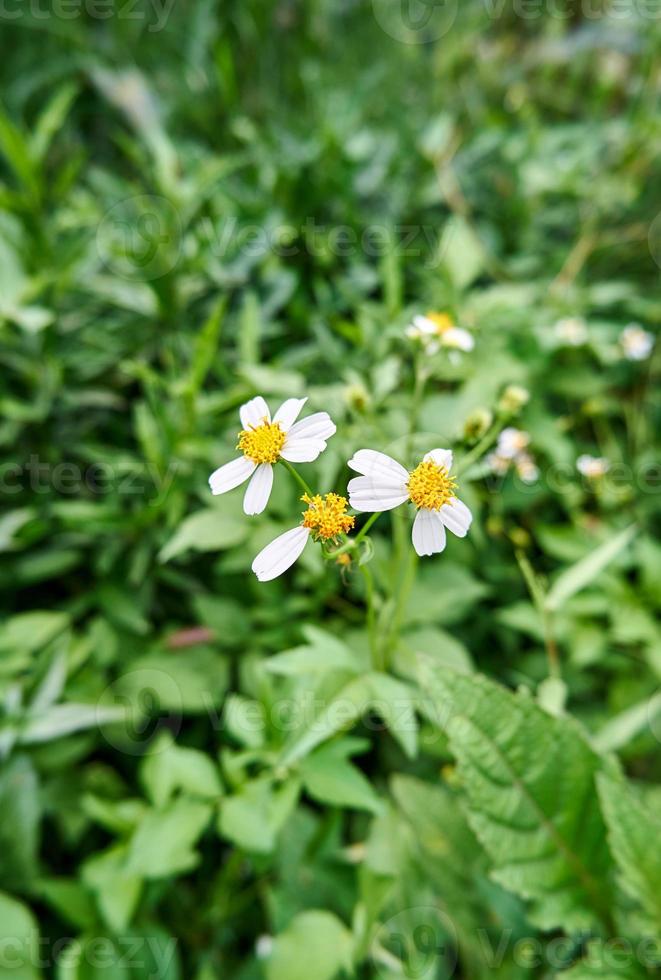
(441, 321)
(430, 486)
(263, 443)
(326, 516)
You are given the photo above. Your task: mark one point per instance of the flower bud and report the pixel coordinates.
(513, 399)
(477, 424)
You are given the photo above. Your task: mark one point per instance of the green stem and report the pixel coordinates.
(297, 476)
(485, 442)
(538, 596)
(366, 526)
(403, 593)
(371, 618)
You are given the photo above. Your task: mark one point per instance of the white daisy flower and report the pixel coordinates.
(592, 467)
(263, 441)
(436, 330)
(385, 484)
(325, 519)
(511, 442)
(636, 343)
(571, 331)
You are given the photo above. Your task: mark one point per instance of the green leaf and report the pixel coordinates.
(316, 944)
(323, 653)
(32, 630)
(587, 569)
(51, 120)
(117, 890)
(93, 957)
(163, 843)
(460, 252)
(330, 778)
(206, 530)
(194, 681)
(20, 815)
(168, 768)
(19, 941)
(15, 148)
(252, 818)
(65, 719)
(634, 832)
(530, 782)
(625, 726)
(205, 347)
(249, 330)
(390, 698)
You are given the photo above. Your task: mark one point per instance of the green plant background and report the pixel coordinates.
(204, 201)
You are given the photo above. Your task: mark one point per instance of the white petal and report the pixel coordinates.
(424, 324)
(368, 494)
(457, 517)
(369, 462)
(442, 457)
(428, 533)
(280, 554)
(317, 426)
(231, 475)
(289, 412)
(259, 490)
(302, 450)
(254, 412)
(459, 338)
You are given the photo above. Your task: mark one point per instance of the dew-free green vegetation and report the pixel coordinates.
(203, 776)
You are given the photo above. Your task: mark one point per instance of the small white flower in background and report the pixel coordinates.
(592, 467)
(385, 484)
(499, 465)
(511, 442)
(326, 519)
(512, 450)
(571, 331)
(436, 330)
(526, 468)
(263, 441)
(636, 343)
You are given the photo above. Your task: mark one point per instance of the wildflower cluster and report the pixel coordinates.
(512, 452)
(382, 484)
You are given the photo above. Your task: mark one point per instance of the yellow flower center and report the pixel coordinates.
(326, 517)
(430, 486)
(262, 443)
(441, 321)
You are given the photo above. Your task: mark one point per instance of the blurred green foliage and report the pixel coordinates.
(204, 201)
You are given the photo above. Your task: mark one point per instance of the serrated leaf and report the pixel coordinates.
(529, 779)
(634, 832)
